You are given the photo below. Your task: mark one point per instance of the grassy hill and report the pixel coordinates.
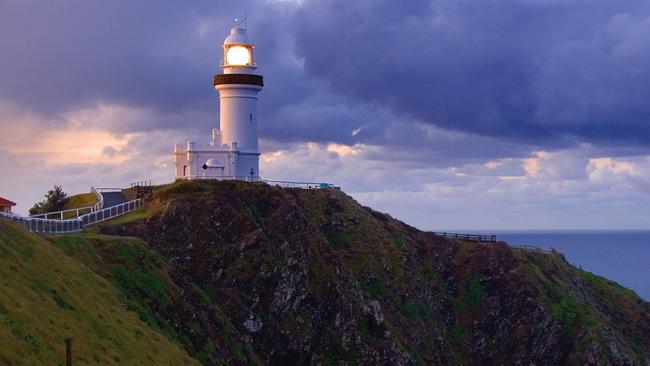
(80, 200)
(285, 276)
(47, 296)
(248, 274)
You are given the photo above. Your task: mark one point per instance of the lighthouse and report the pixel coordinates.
(233, 151)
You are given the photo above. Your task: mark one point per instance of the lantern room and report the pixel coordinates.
(238, 52)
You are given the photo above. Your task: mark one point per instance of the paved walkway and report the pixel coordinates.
(113, 199)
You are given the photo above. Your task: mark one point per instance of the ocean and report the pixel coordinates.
(621, 256)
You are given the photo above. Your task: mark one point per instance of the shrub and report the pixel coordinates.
(55, 200)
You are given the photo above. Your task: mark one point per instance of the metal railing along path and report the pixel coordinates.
(50, 226)
(279, 183)
(38, 225)
(110, 212)
(471, 237)
(108, 189)
(78, 212)
(100, 199)
(142, 183)
(306, 185)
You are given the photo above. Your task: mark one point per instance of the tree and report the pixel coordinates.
(55, 200)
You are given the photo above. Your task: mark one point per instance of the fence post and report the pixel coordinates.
(68, 352)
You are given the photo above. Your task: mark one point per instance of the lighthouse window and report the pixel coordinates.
(250, 118)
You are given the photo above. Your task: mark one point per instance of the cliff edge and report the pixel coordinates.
(246, 273)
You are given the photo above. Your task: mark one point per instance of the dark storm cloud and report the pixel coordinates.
(547, 73)
(59, 55)
(510, 76)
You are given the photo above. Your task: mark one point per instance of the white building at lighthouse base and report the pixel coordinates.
(215, 161)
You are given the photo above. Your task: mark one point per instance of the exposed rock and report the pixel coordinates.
(288, 276)
(253, 324)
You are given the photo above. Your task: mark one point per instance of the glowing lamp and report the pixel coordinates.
(238, 56)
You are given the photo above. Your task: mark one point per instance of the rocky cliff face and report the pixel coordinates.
(265, 275)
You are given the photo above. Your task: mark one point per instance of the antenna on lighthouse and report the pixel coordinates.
(244, 20)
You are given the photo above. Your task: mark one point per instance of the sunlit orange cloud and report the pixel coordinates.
(273, 156)
(73, 147)
(344, 150)
(76, 138)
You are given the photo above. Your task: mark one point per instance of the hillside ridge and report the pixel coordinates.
(245, 273)
(47, 296)
(311, 276)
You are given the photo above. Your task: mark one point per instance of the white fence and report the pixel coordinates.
(50, 226)
(78, 212)
(38, 225)
(110, 212)
(100, 199)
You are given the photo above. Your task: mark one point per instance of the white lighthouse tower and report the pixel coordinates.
(233, 152)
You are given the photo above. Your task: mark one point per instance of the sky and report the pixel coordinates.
(447, 114)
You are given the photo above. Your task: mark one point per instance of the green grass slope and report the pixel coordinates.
(80, 200)
(47, 296)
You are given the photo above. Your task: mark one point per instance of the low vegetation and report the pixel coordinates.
(80, 201)
(55, 200)
(47, 296)
(241, 273)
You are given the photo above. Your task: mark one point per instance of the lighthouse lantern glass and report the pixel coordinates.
(238, 55)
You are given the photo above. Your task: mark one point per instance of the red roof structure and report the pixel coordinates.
(6, 203)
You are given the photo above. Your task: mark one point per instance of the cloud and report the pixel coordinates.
(76, 151)
(475, 113)
(548, 74)
(567, 191)
(543, 75)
